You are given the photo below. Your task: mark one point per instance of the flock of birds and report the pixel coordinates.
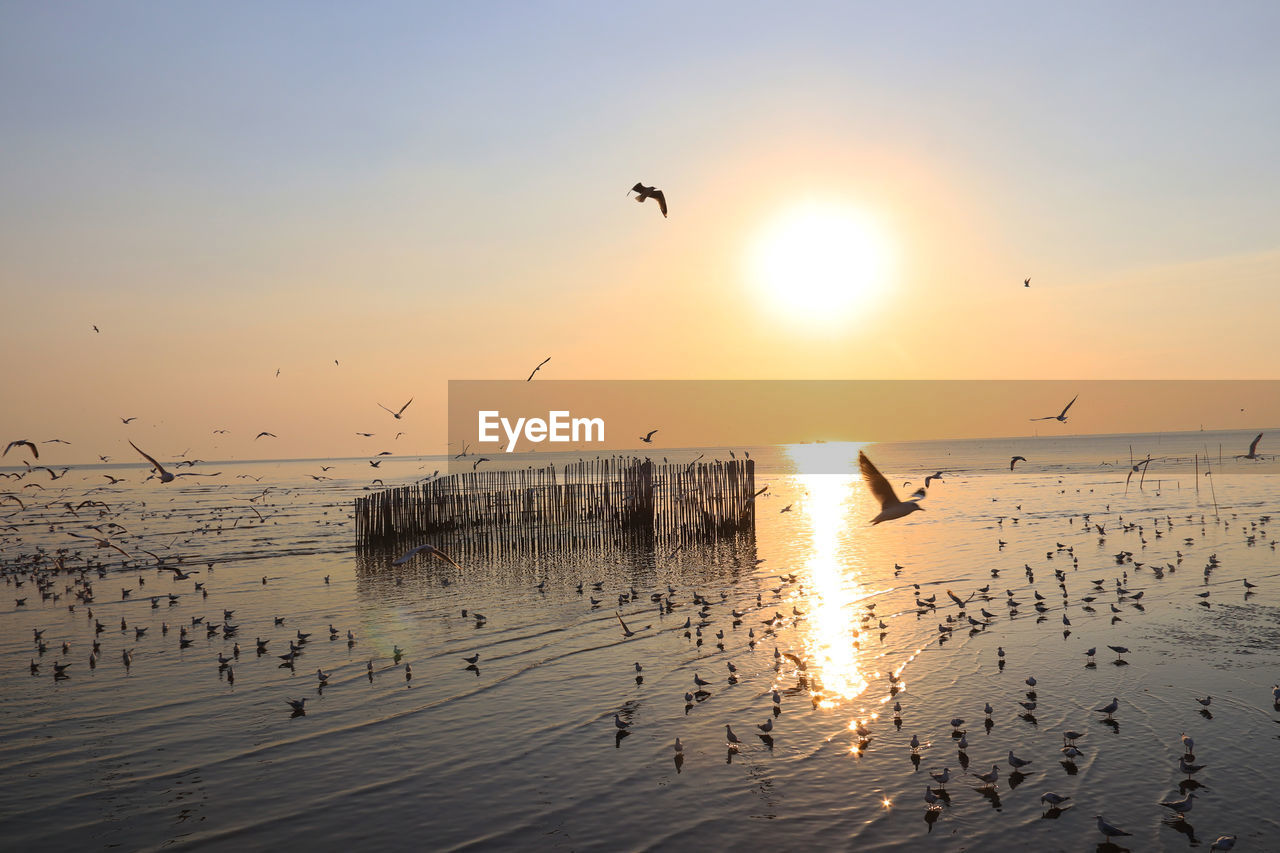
(70, 574)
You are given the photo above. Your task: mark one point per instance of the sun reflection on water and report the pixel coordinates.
(831, 626)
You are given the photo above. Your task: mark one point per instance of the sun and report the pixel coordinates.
(820, 263)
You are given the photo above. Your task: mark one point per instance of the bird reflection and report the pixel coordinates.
(1180, 824)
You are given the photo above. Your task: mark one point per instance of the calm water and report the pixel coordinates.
(524, 752)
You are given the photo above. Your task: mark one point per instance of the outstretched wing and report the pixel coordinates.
(405, 406)
(876, 482)
(662, 202)
(638, 188)
(1253, 448)
(1069, 405)
(158, 467)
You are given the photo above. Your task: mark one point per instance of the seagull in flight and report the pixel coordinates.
(1060, 417)
(165, 476)
(539, 367)
(626, 632)
(1253, 448)
(267, 434)
(430, 550)
(1026, 282)
(1015, 460)
(648, 439)
(890, 506)
(398, 414)
(22, 442)
(642, 192)
(127, 421)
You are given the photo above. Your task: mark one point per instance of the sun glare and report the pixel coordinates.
(820, 263)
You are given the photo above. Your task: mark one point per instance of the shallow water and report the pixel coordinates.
(524, 752)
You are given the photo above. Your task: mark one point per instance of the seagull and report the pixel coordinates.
(943, 777)
(1015, 762)
(264, 433)
(1119, 650)
(1223, 842)
(431, 550)
(989, 778)
(1053, 799)
(22, 442)
(643, 192)
(165, 476)
(1015, 460)
(890, 506)
(1108, 830)
(1060, 417)
(678, 747)
(730, 736)
(766, 726)
(931, 478)
(298, 705)
(539, 367)
(127, 421)
(1180, 806)
(1205, 702)
(394, 414)
(648, 439)
(626, 632)
(1253, 448)
(1110, 708)
(620, 724)
(1026, 282)
(472, 660)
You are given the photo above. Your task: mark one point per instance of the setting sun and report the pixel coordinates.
(820, 263)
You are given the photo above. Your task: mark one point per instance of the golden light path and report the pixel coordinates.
(836, 583)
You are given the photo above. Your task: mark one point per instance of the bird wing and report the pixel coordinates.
(1069, 405)
(150, 459)
(652, 431)
(638, 188)
(443, 556)
(625, 629)
(384, 408)
(544, 361)
(876, 482)
(662, 202)
(405, 406)
(408, 555)
(20, 443)
(1253, 448)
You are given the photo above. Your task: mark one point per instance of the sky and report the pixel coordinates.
(434, 191)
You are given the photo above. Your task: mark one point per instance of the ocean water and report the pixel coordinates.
(522, 751)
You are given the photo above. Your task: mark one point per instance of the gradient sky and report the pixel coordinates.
(428, 192)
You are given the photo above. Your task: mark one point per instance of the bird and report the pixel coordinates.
(165, 476)
(943, 777)
(539, 367)
(1015, 460)
(1119, 650)
(642, 192)
(989, 778)
(730, 736)
(1253, 448)
(1223, 842)
(127, 421)
(22, 442)
(1017, 763)
(1108, 830)
(626, 632)
(1109, 708)
(472, 660)
(298, 705)
(394, 414)
(1180, 806)
(1061, 417)
(620, 723)
(428, 549)
(766, 726)
(890, 506)
(678, 747)
(1205, 702)
(930, 478)
(1026, 282)
(648, 439)
(1053, 799)
(265, 434)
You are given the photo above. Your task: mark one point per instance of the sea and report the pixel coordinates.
(561, 735)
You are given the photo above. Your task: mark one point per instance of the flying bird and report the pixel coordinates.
(22, 442)
(1015, 460)
(267, 434)
(396, 415)
(1026, 282)
(1060, 417)
(642, 192)
(430, 550)
(890, 506)
(648, 439)
(1253, 448)
(539, 367)
(127, 420)
(165, 476)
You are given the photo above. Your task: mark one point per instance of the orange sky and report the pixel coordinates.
(444, 206)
